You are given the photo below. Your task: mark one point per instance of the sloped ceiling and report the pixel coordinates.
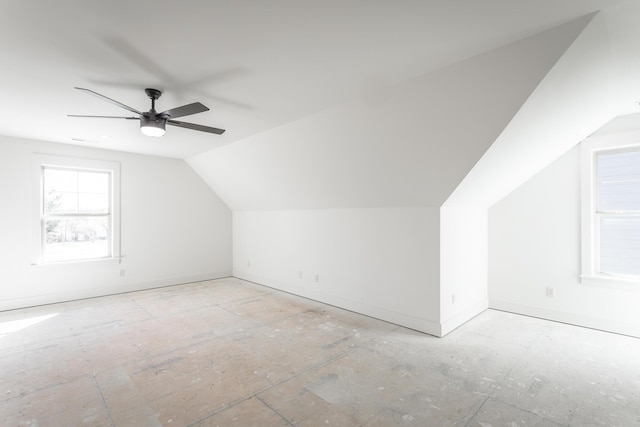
(464, 135)
(258, 65)
(407, 145)
(594, 82)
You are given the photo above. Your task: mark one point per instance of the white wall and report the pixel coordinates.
(534, 243)
(576, 96)
(463, 265)
(334, 191)
(378, 262)
(174, 229)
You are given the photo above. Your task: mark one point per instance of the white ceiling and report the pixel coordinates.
(257, 65)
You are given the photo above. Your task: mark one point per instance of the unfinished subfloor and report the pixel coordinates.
(232, 353)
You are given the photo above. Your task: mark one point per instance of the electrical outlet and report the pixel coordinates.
(122, 272)
(300, 274)
(317, 278)
(249, 264)
(453, 298)
(550, 292)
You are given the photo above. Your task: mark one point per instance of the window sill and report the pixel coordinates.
(611, 282)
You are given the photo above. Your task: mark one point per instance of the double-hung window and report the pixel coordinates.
(618, 212)
(611, 211)
(77, 209)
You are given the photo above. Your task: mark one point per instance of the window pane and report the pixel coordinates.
(617, 166)
(60, 180)
(93, 203)
(93, 182)
(620, 245)
(618, 181)
(619, 196)
(69, 191)
(76, 238)
(63, 203)
(60, 191)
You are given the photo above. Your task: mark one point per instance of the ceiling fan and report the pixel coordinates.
(153, 123)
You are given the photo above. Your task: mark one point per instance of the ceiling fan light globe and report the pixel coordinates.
(152, 131)
(152, 127)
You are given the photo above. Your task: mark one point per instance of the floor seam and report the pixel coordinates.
(104, 401)
(271, 407)
(477, 410)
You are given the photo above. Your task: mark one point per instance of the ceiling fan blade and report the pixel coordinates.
(104, 117)
(195, 127)
(185, 110)
(113, 101)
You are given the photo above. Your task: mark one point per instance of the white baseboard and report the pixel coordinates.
(607, 325)
(464, 316)
(412, 322)
(92, 292)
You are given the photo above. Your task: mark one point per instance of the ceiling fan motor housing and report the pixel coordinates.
(152, 125)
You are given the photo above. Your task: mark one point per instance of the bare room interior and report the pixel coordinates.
(297, 213)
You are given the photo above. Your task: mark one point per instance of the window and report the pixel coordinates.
(611, 210)
(77, 209)
(618, 212)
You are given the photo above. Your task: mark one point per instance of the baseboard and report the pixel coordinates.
(606, 325)
(412, 322)
(463, 317)
(79, 294)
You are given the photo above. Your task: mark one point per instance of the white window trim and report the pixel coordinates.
(38, 161)
(588, 150)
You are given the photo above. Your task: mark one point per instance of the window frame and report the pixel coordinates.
(42, 161)
(590, 217)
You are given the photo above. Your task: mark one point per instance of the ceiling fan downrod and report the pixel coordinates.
(153, 94)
